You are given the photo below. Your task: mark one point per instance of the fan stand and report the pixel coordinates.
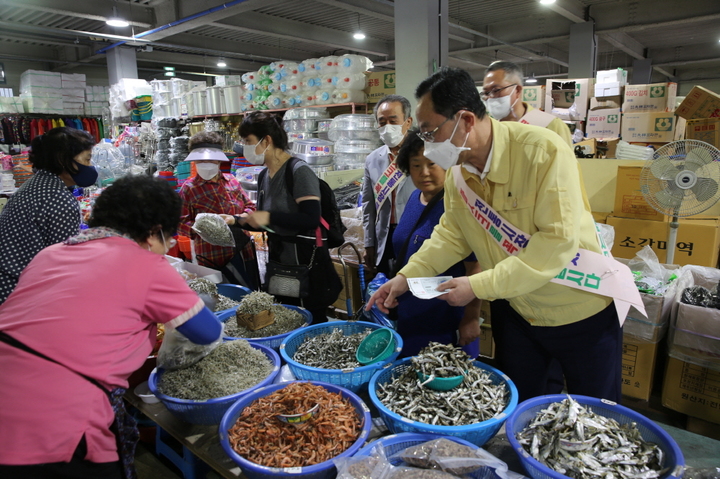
(672, 238)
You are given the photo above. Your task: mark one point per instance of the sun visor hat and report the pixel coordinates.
(200, 154)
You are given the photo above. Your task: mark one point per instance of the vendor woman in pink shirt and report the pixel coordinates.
(82, 319)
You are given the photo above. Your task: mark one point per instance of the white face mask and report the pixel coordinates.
(207, 170)
(500, 107)
(252, 157)
(391, 135)
(445, 154)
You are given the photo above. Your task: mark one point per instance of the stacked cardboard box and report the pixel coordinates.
(604, 117)
(569, 99)
(73, 93)
(534, 96)
(648, 113)
(379, 84)
(701, 109)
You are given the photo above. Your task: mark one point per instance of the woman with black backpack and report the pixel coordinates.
(299, 270)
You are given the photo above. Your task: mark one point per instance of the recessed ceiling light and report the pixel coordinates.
(359, 36)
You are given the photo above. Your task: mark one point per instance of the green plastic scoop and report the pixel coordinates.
(377, 346)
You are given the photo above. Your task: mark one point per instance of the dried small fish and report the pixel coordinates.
(476, 399)
(230, 368)
(213, 229)
(286, 320)
(576, 442)
(205, 286)
(439, 360)
(256, 302)
(331, 350)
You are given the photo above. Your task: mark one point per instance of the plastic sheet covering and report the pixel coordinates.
(352, 219)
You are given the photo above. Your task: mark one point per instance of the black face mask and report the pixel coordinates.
(85, 176)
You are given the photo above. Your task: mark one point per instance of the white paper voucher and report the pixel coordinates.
(424, 288)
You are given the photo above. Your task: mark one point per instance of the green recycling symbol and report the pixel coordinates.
(569, 97)
(577, 89)
(529, 95)
(389, 80)
(612, 118)
(663, 124)
(657, 92)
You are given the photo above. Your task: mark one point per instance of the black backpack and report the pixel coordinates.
(328, 205)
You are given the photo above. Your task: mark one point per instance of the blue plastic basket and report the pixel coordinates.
(270, 341)
(651, 432)
(396, 443)
(232, 291)
(324, 470)
(478, 433)
(210, 411)
(353, 378)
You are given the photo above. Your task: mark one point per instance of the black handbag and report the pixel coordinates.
(288, 280)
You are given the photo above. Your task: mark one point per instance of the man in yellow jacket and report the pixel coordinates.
(528, 179)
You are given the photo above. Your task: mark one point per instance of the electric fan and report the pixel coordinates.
(681, 180)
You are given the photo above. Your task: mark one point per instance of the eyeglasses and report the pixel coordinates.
(429, 136)
(494, 92)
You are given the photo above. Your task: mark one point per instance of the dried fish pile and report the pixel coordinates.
(259, 436)
(205, 286)
(232, 367)
(576, 442)
(256, 302)
(213, 229)
(331, 350)
(439, 360)
(476, 399)
(286, 320)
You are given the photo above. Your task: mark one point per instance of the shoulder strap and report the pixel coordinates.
(431, 204)
(290, 174)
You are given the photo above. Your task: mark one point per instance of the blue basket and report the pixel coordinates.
(397, 443)
(210, 411)
(324, 470)
(353, 378)
(478, 433)
(651, 432)
(270, 341)
(232, 291)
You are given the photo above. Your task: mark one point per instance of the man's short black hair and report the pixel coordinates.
(136, 205)
(412, 145)
(55, 150)
(451, 90)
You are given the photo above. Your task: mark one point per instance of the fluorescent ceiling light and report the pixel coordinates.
(532, 79)
(221, 63)
(116, 21)
(169, 69)
(547, 2)
(359, 36)
(169, 74)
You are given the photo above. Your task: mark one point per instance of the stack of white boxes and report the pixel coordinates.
(604, 119)
(73, 93)
(96, 98)
(41, 92)
(10, 103)
(228, 80)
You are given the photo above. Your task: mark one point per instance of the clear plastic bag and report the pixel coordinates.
(373, 466)
(177, 351)
(213, 229)
(375, 315)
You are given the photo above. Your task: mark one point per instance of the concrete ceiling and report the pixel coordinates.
(681, 37)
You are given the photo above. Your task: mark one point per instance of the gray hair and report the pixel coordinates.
(391, 98)
(511, 70)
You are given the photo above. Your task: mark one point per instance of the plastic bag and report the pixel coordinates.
(213, 229)
(702, 473)
(375, 315)
(177, 351)
(647, 263)
(373, 466)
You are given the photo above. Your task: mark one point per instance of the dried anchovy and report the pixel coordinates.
(415, 473)
(430, 455)
(286, 320)
(475, 400)
(232, 367)
(213, 229)
(203, 285)
(576, 442)
(439, 360)
(359, 468)
(331, 350)
(256, 302)
(223, 303)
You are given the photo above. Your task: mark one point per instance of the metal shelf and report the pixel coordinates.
(353, 107)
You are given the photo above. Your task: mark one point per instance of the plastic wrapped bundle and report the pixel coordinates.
(353, 127)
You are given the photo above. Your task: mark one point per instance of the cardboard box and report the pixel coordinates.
(657, 97)
(692, 390)
(487, 344)
(638, 368)
(379, 84)
(600, 217)
(569, 99)
(603, 124)
(485, 313)
(609, 89)
(707, 130)
(697, 240)
(648, 127)
(629, 200)
(607, 102)
(700, 103)
(534, 96)
(354, 287)
(617, 75)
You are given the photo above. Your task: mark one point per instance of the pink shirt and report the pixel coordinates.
(92, 307)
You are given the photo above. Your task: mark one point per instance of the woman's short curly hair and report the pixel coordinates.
(138, 206)
(206, 138)
(55, 150)
(412, 146)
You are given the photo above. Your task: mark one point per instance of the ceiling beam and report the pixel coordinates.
(623, 41)
(370, 9)
(191, 40)
(573, 10)
(25, 28)
(93, 10)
